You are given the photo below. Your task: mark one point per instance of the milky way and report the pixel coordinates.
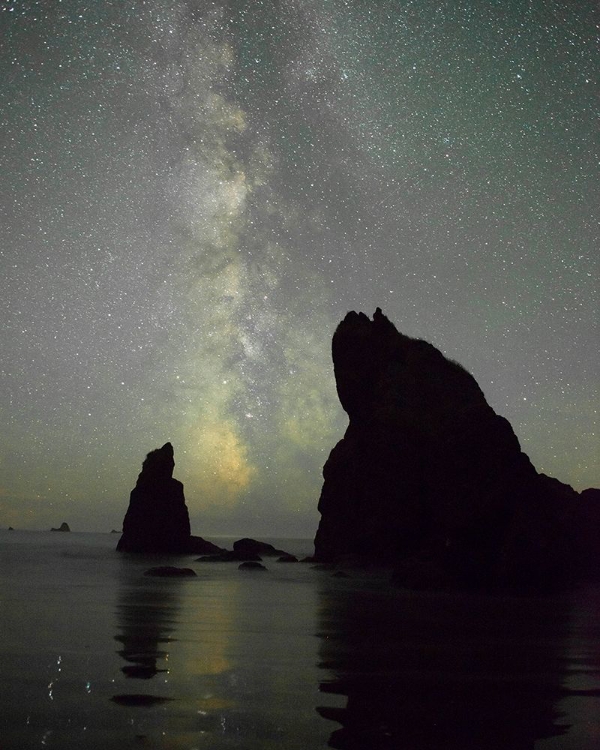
(194, 194)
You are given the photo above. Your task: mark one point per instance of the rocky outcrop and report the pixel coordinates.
(247, 546)
(429, 479)
(63, 527)
(157, 520)
(247, 550)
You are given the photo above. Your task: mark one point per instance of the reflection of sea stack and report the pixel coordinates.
(429, 478)
(147, 615)
(157, 519)
(63, 527)
(429, 672)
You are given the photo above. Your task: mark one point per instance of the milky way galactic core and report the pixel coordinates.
(195, 193)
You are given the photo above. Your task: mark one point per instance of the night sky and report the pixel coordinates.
(193, 195)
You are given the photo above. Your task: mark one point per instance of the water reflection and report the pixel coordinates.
(173, 634)
(424, 671)
(148, 611)
(240, 654)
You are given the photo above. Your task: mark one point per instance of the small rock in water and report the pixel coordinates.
(251, 546)
(63, 527)
(287, 559)
(228, 556)
(250, 565)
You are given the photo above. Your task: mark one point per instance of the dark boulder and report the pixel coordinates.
(251, 565)
(429, 480)
(251, 546)
(287, 559)
(196, 545)
(63, 527)
(231, 556)
(157, 519)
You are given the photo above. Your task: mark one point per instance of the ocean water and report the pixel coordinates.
(94, 654)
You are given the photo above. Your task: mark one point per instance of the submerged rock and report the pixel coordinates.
(196, 545)
(63, 527)
(250, 565)
(251, 546)
(157, 520)
(229, 556)
(287, 559)
(430, 480)
(168, 571)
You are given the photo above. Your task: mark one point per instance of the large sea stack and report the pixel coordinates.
(429, 479)
(157, 520)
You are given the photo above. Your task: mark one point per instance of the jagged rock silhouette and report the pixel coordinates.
(157, 520)
(429, 479)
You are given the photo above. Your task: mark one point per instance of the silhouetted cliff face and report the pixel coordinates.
(428, 477)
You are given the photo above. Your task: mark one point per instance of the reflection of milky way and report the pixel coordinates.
(194, 195)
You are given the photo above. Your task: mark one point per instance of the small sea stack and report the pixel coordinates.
(157, 520)
(63, 527)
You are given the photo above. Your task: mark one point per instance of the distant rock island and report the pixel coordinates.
(157, 520)
(63, 527)
(430, 480)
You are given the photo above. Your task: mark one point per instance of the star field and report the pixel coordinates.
(194, 194)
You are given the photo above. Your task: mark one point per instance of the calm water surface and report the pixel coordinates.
(96, 655)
